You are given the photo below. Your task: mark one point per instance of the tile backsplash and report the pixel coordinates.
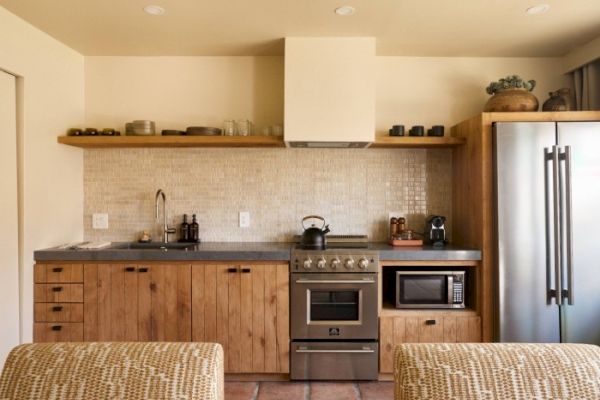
(354, 190)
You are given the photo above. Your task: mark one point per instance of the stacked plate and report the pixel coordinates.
(140, 127)
(202, 131)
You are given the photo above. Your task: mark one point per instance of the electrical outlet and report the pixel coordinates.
(100, 221)
(244, 219)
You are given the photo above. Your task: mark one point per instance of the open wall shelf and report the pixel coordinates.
(381, 142)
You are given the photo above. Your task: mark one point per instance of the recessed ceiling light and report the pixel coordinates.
(345, 10)
(539, 9)
(154, 10)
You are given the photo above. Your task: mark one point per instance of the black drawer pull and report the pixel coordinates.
(58, 269)
(231, 270)
(56, 327)
(430, 322)
(57, 308)
(246, 270)
(143, 270)
(57, 289)
(130, 269)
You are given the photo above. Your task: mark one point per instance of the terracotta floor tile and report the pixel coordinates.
(333, 390)
(283, 391)
(376, 390)
(240, 390)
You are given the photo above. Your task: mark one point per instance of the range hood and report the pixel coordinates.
(329, 92)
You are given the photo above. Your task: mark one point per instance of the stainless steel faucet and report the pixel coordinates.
(166, 229)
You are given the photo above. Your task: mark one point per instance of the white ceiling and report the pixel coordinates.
(256, 27)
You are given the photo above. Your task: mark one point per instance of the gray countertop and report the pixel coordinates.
(246, 251)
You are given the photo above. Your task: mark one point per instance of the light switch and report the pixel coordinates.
(244, 219)
(100, 221)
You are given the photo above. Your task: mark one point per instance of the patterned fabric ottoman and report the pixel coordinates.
(132, 371)
(504, 371)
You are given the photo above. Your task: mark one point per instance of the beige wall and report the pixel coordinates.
(582, 55)
(51, 179)
(431, 91)
(178, 92)
(9, 215)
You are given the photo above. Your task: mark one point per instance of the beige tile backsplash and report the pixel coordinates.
(354, 190)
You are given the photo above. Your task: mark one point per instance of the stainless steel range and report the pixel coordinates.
(334, 322)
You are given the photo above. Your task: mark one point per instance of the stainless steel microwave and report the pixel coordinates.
(430, 289)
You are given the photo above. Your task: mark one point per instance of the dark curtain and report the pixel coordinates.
(586, 81)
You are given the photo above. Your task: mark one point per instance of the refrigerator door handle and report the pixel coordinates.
(569, 292)
(557, 244)
(552, 260)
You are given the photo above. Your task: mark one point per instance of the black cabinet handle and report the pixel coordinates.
(57, 308)
(57, 289)
(430, 322)
(231, 270)
(143, 270)
(56, 327)
(130, 269)
(57, 269)
(246, 270)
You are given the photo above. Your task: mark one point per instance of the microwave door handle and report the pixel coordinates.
(450, 289)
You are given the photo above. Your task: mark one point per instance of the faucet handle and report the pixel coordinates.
(169, 231)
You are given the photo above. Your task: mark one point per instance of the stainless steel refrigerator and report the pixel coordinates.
(547, 190)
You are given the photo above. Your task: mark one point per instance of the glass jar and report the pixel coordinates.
(229, 127)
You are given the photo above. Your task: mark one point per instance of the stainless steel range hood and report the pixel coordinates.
(329, 92)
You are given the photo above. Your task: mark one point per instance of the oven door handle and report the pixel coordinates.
(334, 351)
(333, 281)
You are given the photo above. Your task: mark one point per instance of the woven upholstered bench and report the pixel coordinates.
(505, 371)
(132, 371)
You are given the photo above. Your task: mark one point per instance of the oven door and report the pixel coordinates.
(334, 306)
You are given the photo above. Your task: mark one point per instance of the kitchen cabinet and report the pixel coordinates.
(245, 308)
(58, 302)
(137, 302)
(423, 327)
(242, 306)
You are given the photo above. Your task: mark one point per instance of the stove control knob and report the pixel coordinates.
(349, 263)
(335, 263)
(363, 263)
(307, 263)
(321, 263)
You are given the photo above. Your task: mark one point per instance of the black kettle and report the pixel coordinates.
(313, 237)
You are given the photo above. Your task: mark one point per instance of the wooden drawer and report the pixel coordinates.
(57, 332)
(424, 328)
(58, 312)
(58, 273)
(58, 293)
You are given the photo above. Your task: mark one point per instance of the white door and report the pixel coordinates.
(9, 232)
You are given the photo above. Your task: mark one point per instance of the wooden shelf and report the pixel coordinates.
(416, 142)
(388, 310)
(240, 141)
(171, 141)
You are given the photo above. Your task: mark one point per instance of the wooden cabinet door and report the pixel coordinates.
(245, 309)
(423, 329)
(164, 303)
(110, 302)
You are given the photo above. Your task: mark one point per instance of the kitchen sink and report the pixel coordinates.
(154, 246)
